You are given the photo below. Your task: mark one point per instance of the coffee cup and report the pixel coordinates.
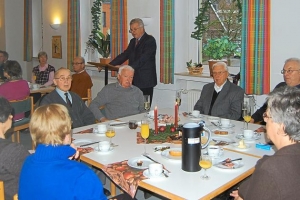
(225, 122)
(214, 151)
(104, 146)
(151, 113)
(35, 86)
(195, 113)
(155, 169)
(102, 128)
(132, 124)
(248, 134)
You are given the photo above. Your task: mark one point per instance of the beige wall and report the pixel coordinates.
(2, 25)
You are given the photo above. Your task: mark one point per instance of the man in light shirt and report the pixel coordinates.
(221, 98)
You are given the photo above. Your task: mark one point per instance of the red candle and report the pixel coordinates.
(176, 115)
(155, 120)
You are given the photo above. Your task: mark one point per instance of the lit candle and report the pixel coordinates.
(155, 121)
(176, 115)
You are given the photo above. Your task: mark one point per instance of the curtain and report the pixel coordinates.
(73, 35)
(27, 48)
(119, 28)
(255, 60)
(167, 35)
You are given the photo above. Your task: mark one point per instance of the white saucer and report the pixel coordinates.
(146, 174)
(104, 152)
(235, 145)
(227, 127)
(100, 134)
(255, 137)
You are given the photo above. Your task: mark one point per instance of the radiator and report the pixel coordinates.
(193, 97)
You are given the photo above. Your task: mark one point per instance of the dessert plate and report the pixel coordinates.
(79, 142)
(221, 141)
(236, 165)
(236, 146)
(147, 174)
(133, 162)
(166, 154)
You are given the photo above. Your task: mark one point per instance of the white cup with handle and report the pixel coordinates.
(102, 128)
(104, 146)
(214, 151)
(225, 122)
(195, 113)
(248, 134)
(155, 170)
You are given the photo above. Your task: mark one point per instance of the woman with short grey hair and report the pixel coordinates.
(277, 176)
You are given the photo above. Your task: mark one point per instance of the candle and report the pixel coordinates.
(176, 115)
(155, 121)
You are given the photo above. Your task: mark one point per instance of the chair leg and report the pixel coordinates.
(13, 137)
(18, 136)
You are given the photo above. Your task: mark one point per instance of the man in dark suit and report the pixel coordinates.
(78, 111)
(221, 98)
(141, 53)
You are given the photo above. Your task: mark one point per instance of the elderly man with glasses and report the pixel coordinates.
(81, 80)
(291, 76)
(221, 98)
(78, 111)
(141, 53)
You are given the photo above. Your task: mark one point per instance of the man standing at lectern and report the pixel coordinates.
(141, 53)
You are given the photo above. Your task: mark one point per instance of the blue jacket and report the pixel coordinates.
(49, 174)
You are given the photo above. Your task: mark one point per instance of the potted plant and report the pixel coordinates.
(194, 68)
(219, 48)
(98, 40)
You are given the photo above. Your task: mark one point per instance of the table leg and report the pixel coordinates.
(112, 189)
(106, 76)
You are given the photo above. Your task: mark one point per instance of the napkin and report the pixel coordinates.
(125, 176)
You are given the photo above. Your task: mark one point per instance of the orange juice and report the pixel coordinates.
(247, 118)
(110, 133)
(145, 131)
(205, 164)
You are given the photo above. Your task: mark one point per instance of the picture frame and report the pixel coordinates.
(56, 47)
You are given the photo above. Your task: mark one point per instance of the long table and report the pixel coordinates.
(180, 184)
(42, 90)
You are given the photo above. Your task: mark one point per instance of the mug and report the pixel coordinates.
(248, 134)
(214, 151)
(104, 146)
(102, 128)
(225, 122)
(195, 113)
(155, 169)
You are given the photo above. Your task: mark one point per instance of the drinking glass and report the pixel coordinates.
(145, 132)
(246, 113)
(205, 163)
(110, 133)
(147, 102)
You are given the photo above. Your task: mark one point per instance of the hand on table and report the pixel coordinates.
(76, 155)
(103, 119)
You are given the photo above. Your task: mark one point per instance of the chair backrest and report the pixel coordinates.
(1, 190)
(88, 99)
(15, 197)
(22, 106)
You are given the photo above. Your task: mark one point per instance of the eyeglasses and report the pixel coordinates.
(289, 71)
(265, 116)
(63, 79)
(76, 63)
(133, 30)
(218, 73)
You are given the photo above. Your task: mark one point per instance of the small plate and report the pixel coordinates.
(236, 145)
(158, 149)
(237, 164)
(227, 127)
(104, 152)
(215, 140)
(146, 174)
(79, 142)
(133, 162)
(166, 154)
(255, 137)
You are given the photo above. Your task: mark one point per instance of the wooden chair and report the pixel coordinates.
(1, 190)
(88, 99)
(21, 106)
(15, 197)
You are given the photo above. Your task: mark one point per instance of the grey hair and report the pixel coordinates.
(42, 53)
(125, 67)
(137, 20)
(222, 64)
(284, 108)
(297, 60)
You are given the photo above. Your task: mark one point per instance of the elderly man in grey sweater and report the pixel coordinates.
(118, 99)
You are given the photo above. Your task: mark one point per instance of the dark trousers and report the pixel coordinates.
(148, 91)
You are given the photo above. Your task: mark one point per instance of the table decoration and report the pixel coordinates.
(176, 114)
(125, 176)
(155, 121)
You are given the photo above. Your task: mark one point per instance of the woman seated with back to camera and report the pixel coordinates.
(277, 176)
(15, 88)
(50, 173)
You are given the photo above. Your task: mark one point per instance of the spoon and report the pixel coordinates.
(163, 172)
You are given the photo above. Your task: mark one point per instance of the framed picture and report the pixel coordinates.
(56, 47)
